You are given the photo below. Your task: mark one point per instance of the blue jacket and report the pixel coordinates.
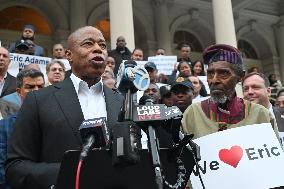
(6, 128)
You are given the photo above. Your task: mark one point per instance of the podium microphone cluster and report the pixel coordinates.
(94, 134)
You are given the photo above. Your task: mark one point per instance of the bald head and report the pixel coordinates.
(75, 37)
(87, 54)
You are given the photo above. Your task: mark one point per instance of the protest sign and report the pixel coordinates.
(165, 64)
(248, 157)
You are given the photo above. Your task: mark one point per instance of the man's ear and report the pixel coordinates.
(68, 55)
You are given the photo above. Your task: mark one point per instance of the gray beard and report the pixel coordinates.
(219, 99)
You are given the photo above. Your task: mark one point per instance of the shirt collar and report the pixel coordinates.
(77, 82)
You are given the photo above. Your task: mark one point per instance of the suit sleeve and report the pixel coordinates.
(24, 168)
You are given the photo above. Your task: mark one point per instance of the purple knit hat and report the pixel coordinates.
(222, 52)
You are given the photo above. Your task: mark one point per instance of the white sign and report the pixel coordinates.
(18, 61)
(247, 157)
(165, 64)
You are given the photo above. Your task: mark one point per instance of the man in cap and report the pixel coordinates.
(152, 71)
(29, 34)
(182, 93)
(223, 110)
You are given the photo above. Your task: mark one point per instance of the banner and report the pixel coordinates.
(248, 157)
(165, 64)
(18, 62)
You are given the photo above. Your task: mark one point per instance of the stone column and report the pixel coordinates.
(77, 14)
(280, 44)
(121, 22)
(224, 22)
(162, 25)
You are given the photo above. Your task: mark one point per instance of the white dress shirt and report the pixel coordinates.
(92, 100)
(2, 83)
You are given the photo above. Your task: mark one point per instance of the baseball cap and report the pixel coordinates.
(222, 52)
(150, 65)
(184, 81)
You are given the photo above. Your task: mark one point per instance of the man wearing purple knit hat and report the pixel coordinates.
(223, 110)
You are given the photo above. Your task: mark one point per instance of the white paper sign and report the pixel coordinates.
(165, 64)
(18, 61)
(247, 157)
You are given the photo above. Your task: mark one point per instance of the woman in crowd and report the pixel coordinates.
(184, 70)
(198, 68)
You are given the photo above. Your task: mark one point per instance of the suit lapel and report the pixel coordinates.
(7, 83)
(68, 100)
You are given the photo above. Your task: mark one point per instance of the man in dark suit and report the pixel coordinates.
(7, 82)
(47, 124)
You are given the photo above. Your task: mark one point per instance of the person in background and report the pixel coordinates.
(29, 34)
(197, 68)
(7, 81)
(153, 92)
(14, 98)
(108, 74)
(110, 62)
(253, 69)
(182, 93)
(27, 80)
(185, 51)
(166, 95)
(152, 71)
(120, 53)
(24, 47)
(184, 69)
(256, 89)
(58, 51)
(55, 71)
(280, 99)
(197, 86)
(137, 54)
(160, 51)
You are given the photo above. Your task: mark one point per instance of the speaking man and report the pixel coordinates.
(48, 122)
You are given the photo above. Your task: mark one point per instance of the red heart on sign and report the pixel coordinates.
(231, 157)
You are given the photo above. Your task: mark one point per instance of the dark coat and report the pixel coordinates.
(46, 127)
(9, 85)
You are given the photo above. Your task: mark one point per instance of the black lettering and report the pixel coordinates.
(203, 170)
(267, 151)
(249, 154)
(214, 165)
(260, 152)
(272, 151)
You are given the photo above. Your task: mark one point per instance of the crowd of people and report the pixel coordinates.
(40, 121)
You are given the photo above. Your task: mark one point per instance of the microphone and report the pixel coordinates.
(94, 134)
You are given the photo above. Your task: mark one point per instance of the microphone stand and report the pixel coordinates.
(153, 144)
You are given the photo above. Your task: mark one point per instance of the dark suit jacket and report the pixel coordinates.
(9, 85)
(46, 127)
(279, 116)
